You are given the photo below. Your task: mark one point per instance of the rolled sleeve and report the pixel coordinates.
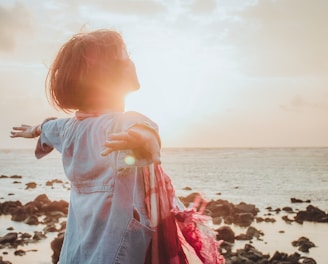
(50, 137)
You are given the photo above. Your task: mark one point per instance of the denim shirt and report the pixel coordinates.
(107, 220)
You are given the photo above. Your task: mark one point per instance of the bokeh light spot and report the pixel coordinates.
(129, 160)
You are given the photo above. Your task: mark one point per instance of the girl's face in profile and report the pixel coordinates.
(129, 74)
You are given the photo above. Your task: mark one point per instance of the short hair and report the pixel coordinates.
(80, 66)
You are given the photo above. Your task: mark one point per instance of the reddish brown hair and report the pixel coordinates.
(80, 65)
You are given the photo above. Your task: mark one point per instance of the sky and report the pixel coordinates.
(213, 73)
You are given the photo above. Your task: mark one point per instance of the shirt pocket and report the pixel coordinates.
(135, 243)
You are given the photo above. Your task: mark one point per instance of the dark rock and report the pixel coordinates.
(32, 220)
(25, 235)
(286, 219)
(246, 208)
(187, 188)
(303, 244)
(16, 177)
(251, 255)
(50, 228)
(16, 182)
(295, 200)
(4, 261)
(313, 214)
(253, 232)
(226, 234)
(220, 208)
(243, 237)
(217, 220)
(243, 219)
(20, 252)
(19, 214)
(228, 220)
(51, 183)
(30, 185)
(56, 246)
(38, 235)
(9, 238)
(59, 206)
(279, 257)
(306, 260)
(189, 199)
(288, 209)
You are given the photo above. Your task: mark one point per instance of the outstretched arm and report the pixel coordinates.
(26, 131)
(137, 137)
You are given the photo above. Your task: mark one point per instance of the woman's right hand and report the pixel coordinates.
(25, 131)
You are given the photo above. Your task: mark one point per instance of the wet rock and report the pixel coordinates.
(303, 244)
(313, 214)
(226, 234)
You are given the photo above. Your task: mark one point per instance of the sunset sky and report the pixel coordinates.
(213, 73)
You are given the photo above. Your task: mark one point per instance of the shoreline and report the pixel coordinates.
(277, 235)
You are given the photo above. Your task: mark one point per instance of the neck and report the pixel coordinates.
(106, 106)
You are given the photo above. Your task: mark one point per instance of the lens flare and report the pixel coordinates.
(129, 160)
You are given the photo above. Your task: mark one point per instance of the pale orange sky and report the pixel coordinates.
(229, 73)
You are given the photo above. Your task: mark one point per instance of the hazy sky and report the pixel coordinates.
(229, 73)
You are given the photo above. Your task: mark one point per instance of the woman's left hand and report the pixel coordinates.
(136, 137)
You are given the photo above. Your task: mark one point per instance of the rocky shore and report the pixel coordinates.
(225, 215)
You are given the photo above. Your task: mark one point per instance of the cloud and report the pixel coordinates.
(280, 38)
(299, 104)
(130, 7)
(14, 21)
(203, 6)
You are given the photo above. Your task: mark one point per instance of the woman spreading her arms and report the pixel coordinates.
(121, 200)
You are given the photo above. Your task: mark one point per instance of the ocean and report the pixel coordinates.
(261, 176)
